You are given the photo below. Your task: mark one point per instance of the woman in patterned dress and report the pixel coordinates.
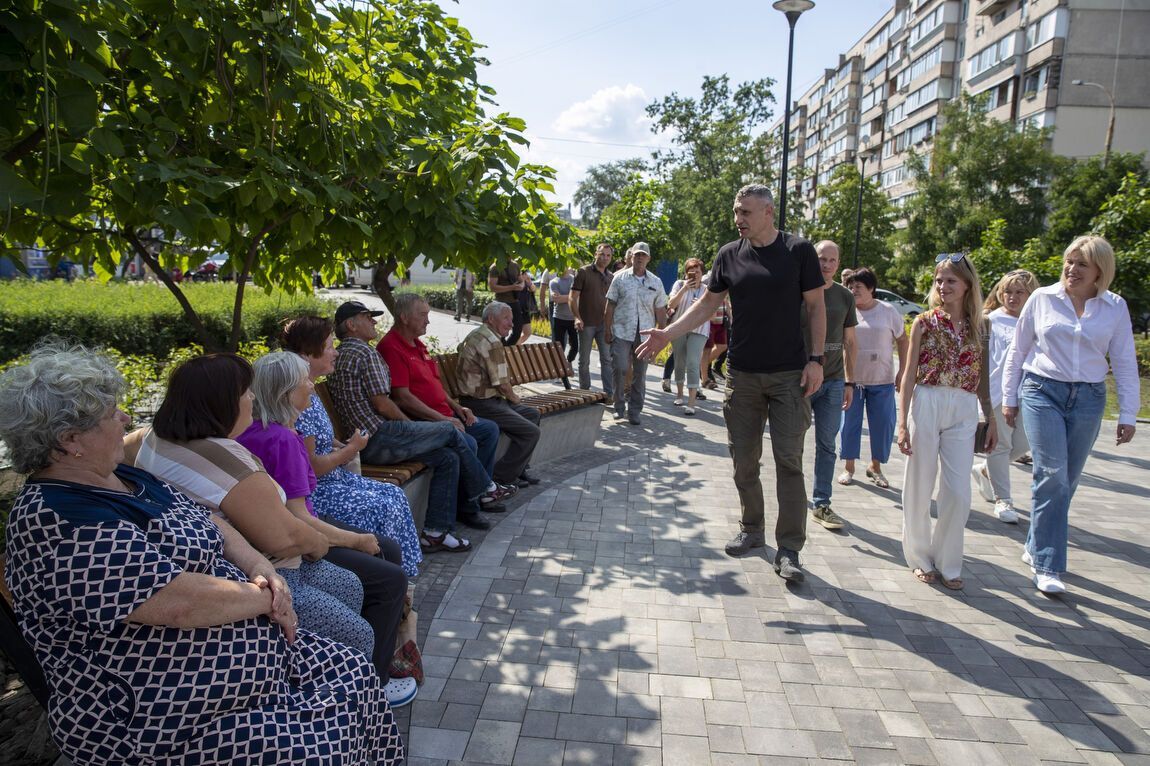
(164, 637)
(944, 383)
(340, 494)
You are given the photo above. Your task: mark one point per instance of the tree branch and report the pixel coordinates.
(141, 250)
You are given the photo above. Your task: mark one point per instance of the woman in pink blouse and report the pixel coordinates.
(943, 384)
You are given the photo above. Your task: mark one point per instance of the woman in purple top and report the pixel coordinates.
(282, 389)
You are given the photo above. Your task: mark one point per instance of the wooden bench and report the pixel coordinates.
(20, 654)
(413, 478)
(571, 417)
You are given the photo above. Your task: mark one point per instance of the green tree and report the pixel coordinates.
(294, 139)
(639, 216)
(1077, 192)
(977, 170)
(603, 186)
(1125, 222)
(837, 218)
(717, 151)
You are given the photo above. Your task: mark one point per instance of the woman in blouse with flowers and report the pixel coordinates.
(944, 383)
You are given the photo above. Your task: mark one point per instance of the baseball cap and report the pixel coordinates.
(641, 247)
(352, 308)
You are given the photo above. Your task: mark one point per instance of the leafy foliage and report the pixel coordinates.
(135, 319)
(1077, 192)
(718, 151)
(603, 186)
(295, 139)
(978, 170)
(639, 215)
(838, 215)
(1125, 222)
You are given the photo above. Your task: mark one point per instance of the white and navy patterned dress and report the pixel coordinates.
(349, 498)
(83, 558)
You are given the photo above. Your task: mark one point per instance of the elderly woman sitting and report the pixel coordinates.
(192, 444)
(165, 638)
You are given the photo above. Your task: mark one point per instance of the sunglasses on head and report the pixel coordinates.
(953, 257)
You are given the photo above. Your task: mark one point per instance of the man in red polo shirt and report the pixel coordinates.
(415, 383)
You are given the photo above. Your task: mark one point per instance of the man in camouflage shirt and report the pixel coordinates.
(485, 387)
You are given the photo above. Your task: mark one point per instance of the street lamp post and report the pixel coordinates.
(1110, 122)
(864, 155)
(792, 9)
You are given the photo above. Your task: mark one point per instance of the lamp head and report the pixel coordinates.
(1077, 82)
(793, 8)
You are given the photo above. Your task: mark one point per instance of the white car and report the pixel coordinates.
(905, 307)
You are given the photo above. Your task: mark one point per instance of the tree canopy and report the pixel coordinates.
(294, 139)
(603, 186)
(639, 216)
(838, 214)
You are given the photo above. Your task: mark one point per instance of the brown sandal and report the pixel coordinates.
(930, 578)
(955, 584)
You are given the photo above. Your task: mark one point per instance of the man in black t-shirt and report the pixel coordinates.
(768, 274)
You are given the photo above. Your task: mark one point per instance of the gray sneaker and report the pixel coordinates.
(744, 542)
(787, 565)
(824, 515)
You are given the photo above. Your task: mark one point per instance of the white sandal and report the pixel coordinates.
(846, 478)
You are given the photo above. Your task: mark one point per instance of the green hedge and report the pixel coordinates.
(1142, 350)
(135, 318)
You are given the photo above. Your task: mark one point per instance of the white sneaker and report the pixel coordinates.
(1049, 583)
(400, 691)
(982, 481)
(1004, 512)
(1027, 558)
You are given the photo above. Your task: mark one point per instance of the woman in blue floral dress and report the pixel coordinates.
(341, 494)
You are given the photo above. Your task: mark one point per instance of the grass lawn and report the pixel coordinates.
(1112, 398)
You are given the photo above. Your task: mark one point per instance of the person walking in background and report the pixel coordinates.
(1055, 376)
(635, 300)
(509, 283)
(562, 319)
(992, 476)
(464, 293)
(944, 383)
(880, 331)
(835, 394)
(688, 348)
(716, 344)
(768, 274)
(588, 304)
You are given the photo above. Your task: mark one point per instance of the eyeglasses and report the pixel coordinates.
(954, 257)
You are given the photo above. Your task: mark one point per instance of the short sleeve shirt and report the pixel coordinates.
(482, 364)
(840, 306)
(413, 368)
(508, 275)
(766, 286)
(592, 285)
(285, 457)
(878, 329)
(636, 299)
(562, 286)
(360, 373)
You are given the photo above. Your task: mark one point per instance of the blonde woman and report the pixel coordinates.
(944, 383)
(1055, 376)
(992, 476)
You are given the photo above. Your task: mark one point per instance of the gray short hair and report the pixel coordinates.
(406, 302)
(495, 307)
(761, 191)
(58, 390)
(276, 376)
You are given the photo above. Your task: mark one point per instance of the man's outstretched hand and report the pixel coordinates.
(656, 341)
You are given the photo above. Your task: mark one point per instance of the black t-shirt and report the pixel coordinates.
(766, 286)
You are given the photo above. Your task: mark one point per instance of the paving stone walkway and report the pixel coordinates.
(600, 622)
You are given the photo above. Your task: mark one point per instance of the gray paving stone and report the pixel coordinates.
(530, 751)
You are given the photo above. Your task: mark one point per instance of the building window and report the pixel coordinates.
(1046, 28)
(921, 97)
(875, 70)
(893, 176)
(991, 55)
(922, 131)
(930, 22)
(1035, 81)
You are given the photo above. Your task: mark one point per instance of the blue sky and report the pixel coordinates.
(582, 73)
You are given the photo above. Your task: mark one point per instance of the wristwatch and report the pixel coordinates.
(817, 358)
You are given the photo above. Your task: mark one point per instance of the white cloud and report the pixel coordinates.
(616, 114)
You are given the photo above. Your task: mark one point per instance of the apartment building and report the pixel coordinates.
(884, 96)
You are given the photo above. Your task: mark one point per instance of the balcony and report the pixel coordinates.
(991, 7)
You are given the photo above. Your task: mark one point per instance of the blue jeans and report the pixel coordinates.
(606, 368)
(827, 411)
(458, 479)
(1061, 421)
(483, 437)
(881, 413)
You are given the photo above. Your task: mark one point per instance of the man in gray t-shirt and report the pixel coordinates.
(562, 320)
(835, 394)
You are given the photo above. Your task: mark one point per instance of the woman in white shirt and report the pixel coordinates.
(688, 348)
(992, 476)
(1065, 334)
